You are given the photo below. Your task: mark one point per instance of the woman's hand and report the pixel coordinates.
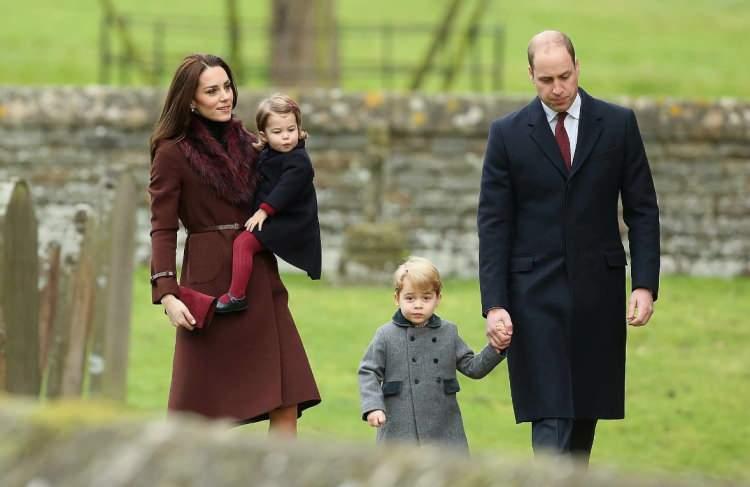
(256, 220)
(178, 313)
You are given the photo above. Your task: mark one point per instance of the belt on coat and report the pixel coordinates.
(215, 228)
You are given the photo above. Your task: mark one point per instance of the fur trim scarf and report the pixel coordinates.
(231, 171)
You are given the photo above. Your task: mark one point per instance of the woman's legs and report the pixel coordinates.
(245, 246)
(283, 422)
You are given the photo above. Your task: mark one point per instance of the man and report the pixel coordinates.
(551, 262)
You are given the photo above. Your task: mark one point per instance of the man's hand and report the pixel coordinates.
(640, 307)
(178, 313)
(499, 328)
(256, 220)
(376, 418)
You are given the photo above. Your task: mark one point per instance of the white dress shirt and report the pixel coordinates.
(571, 123)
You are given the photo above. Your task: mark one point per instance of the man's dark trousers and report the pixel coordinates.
(565, 436)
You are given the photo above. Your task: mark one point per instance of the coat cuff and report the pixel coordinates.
(268, 209)
(490, 358)
(370, 406)
(490, 308)
(163, 283)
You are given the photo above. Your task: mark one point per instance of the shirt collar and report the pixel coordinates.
(400, 320)
(574, 110)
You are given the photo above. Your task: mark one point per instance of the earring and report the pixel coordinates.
(192, 109)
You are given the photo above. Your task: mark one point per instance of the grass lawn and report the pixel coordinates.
(635, 47)
(687, 389)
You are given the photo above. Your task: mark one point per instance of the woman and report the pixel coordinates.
(248, 366)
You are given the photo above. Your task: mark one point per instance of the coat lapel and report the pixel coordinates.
(589, 130)
(542, 135)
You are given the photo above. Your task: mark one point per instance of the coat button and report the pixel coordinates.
(434, 339)
(438, 380)
(414, 360)
(412, 338)
(435, 360)
(416, 381)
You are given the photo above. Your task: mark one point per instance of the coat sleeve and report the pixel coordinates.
(494, 223)
(371, 375)
(164, 189)
(476, 366)
(296, 174)
(640, 212)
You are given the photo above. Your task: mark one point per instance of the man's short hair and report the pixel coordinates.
(562, 39)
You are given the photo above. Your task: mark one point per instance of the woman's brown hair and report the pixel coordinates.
(175, 116)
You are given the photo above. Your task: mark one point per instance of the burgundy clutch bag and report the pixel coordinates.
(200, 305)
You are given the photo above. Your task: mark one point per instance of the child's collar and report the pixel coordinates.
(271, 151)
(400, 320)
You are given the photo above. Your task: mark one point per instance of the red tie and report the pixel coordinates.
(561, 136)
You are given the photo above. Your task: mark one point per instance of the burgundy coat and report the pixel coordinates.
(245, 364)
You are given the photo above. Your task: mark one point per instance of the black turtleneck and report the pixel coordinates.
(217, 129)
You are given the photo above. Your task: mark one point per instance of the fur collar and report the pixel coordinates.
(231, 171)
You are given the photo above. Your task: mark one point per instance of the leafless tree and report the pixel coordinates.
(304, 43)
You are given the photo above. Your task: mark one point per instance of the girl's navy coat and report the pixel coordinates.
(286, 184)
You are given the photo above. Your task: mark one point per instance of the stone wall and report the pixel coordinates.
(406, 162)
(83, 444)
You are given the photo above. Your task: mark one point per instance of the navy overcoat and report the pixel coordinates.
(286, 184)
(550, 253)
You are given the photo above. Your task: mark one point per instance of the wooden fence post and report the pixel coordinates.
(59, 333)
(120, 289)
(103, 280)
(19, 294)
(48, 305)
(70, 321)
(82, 283)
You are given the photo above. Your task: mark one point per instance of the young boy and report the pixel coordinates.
(407, 378)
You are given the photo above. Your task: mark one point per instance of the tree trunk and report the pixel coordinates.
(235, 51)
(304, 43)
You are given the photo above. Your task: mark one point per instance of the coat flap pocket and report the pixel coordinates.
(450, 386)
(521, 264)
(391, 388)
(615, 258)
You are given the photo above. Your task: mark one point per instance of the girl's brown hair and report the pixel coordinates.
(175, 116)
(280, 104)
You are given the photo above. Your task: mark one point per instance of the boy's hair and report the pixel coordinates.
(281, 104)
(421, 273)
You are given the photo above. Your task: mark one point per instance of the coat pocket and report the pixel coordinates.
(521, 264)
(204, 257)
(615, 258)
(392, 388)
(451, 386)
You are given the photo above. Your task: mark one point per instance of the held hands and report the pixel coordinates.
(178, 313)
(376, 418)
(499, 328)
(256, 220)
(640, 307)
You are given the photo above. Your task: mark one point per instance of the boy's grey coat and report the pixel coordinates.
(410, 373)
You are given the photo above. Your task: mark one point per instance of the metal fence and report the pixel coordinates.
(141, 50)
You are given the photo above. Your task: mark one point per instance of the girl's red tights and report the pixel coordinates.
(245, 246)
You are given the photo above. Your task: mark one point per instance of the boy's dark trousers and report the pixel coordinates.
(564, 436)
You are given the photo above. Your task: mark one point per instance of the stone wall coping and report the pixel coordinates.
(336, 111)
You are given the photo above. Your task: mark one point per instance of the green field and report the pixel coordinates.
(635, 47)
(687, 388)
